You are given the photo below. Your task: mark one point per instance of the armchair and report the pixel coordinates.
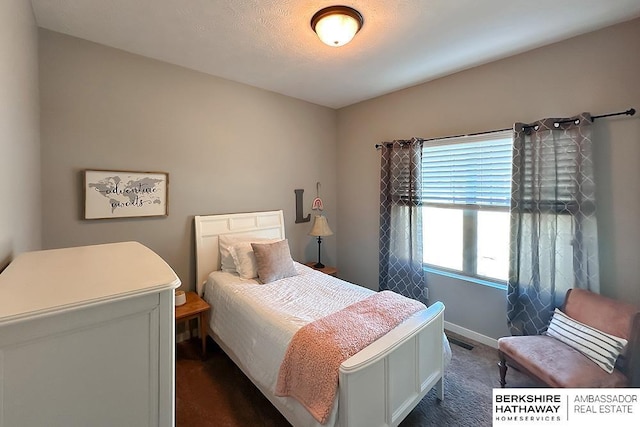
(556, 364)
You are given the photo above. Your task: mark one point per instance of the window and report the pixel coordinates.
(466, 197)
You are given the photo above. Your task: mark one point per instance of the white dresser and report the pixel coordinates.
(87, 338)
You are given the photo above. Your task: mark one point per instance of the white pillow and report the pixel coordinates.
(602, 348)
(225, 241)
(226, 260)
(245, 259)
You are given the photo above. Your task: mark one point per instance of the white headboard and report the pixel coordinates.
(207, 229)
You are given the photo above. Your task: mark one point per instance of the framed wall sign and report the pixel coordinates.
(125, 194)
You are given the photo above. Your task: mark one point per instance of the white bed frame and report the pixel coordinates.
(379, 385)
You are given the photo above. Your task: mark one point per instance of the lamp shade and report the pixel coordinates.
(336, 25)
(320, 227)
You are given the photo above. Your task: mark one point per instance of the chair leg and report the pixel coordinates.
(502, 365)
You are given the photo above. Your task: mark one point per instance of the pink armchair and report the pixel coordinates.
(556, 364)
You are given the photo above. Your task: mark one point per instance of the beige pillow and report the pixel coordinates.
(273, 260)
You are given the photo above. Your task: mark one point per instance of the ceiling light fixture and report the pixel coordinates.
(336, 25)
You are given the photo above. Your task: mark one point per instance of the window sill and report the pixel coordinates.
(468, 279)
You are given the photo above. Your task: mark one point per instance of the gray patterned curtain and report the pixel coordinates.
(401, 219)
(554, 243)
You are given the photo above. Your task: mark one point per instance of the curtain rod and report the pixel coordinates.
(629, 112)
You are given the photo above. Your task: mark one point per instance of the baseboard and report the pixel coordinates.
(472, 335)
(467, 333)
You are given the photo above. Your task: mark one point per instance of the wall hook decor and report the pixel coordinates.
(299, 207)
(317, 202)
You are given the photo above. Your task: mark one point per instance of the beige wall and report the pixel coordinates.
(597, 72)
(227, 148)
(19, 131)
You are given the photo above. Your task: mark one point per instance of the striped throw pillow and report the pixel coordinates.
(598, 346)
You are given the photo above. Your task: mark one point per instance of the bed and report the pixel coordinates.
(254, 323)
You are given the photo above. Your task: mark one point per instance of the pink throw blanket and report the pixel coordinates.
(309, 371)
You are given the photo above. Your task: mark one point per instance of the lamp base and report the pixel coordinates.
(319, 264)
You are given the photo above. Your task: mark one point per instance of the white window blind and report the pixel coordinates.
(472, 171)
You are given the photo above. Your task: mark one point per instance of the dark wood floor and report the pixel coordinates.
(213, 392)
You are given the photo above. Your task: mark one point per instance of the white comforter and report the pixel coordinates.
(256, 322)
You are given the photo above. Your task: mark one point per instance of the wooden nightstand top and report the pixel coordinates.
(193, 306)
(331, 271)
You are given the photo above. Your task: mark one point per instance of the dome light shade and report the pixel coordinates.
(336, 25)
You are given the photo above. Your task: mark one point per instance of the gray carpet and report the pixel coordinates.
(469, 381)
(214, 392)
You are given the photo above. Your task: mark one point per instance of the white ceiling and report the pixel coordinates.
(270, 44)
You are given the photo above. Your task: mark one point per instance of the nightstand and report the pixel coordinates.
(195, 308)
(331, 271)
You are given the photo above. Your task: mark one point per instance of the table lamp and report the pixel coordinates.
(320, 229)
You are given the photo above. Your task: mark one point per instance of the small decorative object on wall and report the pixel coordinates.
(317, 202)
(123, 194)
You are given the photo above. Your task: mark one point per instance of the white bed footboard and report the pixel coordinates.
(382, 383)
